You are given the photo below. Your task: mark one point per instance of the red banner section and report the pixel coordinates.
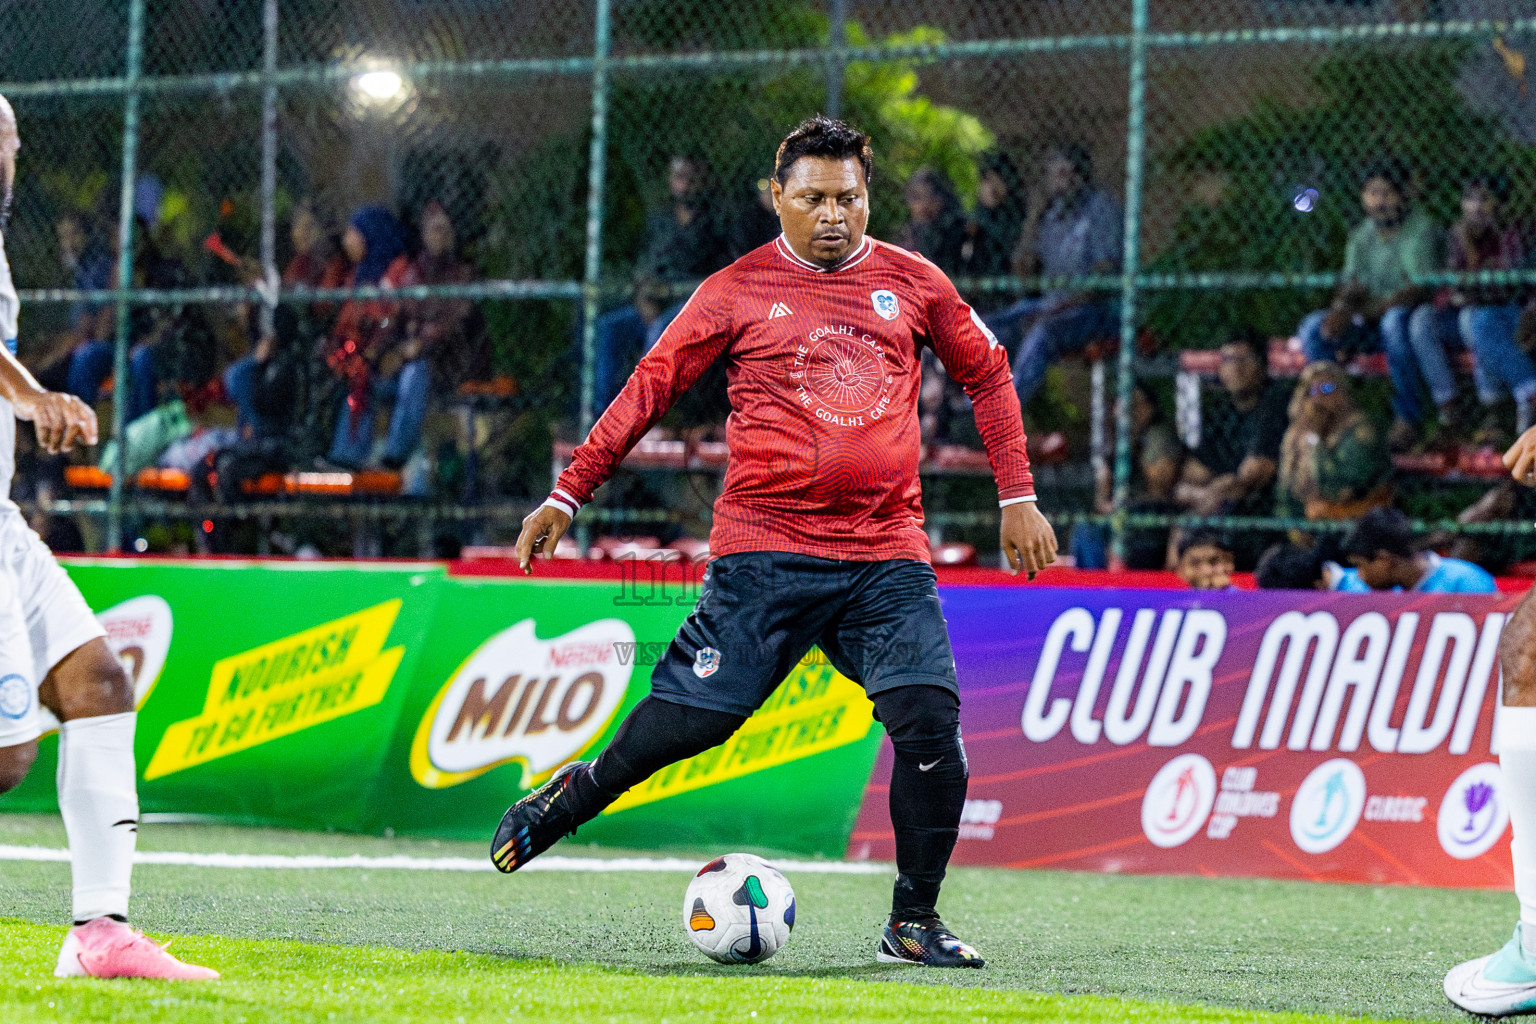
(1326, 737)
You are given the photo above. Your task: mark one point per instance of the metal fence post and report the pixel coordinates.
(597, 160)
(1135, 154)
(269, 275)
(133, 65)
(837, 39)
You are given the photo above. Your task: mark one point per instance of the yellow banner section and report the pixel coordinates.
(815, 709)
(284, 687)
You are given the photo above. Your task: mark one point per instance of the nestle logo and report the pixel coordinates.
(580, 654)
(127, 629)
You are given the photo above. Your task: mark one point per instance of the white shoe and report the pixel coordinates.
(69, 958)
(1498, 985)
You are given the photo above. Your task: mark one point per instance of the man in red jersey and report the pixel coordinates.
(818, 536)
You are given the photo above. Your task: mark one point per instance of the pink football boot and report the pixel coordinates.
(105, 948)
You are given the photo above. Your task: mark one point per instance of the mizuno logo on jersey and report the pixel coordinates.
(778, 310)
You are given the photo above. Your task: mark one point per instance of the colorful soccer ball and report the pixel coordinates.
(739, 909)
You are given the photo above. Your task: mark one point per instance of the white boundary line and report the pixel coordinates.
(591, 865)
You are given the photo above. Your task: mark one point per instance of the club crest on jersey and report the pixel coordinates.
(706, 663)
(885, 304)
(15, 696)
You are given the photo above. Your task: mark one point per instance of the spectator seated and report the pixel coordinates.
(1287, 361)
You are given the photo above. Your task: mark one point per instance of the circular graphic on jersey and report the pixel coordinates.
(1473, 814)
(1178, 800)
(15, 696)
(1327, 805)
(846, 375)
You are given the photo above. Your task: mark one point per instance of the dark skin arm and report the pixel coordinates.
(542, 530)
(1414, 295)
(1353, 299)
(1029, 543)
(62, 421)
(1161, 477)
(1202, 491)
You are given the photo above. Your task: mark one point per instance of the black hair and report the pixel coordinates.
(1255, 341)
(1494, 183)
(1289, 567)
(826, 138)
(1076, 154)
(1380, 529)
(938, 182)
(1202, 538)
(1001, 164)
(1389, 169)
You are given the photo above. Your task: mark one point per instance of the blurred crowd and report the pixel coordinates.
(354, 384)
(325, 384)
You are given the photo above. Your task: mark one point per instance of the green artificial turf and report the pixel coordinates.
(613, 944)
(274, 981)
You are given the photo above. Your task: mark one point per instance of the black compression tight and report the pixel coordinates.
(655, 734)
(928, 785)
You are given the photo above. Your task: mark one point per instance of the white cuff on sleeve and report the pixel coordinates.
(1014, 501)
(564, 502)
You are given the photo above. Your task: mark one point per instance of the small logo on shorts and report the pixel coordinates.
(706, 663)
(15, 696)
(885, 304)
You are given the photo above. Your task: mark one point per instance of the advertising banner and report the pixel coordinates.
(1285, 735)
(372, 697)
(523, 676)
(268, 692)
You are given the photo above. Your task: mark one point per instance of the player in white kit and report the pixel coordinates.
(56, 671)
(1504, 983)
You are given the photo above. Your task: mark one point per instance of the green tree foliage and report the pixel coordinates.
(911, 130)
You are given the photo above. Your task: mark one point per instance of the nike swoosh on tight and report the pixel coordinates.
(930, 764)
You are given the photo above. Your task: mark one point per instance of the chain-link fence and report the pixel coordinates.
(556, 176)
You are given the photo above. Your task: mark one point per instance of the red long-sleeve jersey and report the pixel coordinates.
(823, 379)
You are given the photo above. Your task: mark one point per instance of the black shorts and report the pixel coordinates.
(760, 612)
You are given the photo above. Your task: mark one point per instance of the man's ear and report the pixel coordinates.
(778, 193)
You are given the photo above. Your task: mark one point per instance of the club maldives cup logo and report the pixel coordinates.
(885, 304)
(1473, 814)
(1327, 805)
(1178, 800)
(520, 698)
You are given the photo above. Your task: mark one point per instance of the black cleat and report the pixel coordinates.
(532, 825)
(924, 942)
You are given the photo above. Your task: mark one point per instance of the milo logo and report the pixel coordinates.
(520, 698)
(139, 633)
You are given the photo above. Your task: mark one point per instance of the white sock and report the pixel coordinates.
(99, 799)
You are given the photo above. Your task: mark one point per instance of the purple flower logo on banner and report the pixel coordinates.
(1473, 815)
